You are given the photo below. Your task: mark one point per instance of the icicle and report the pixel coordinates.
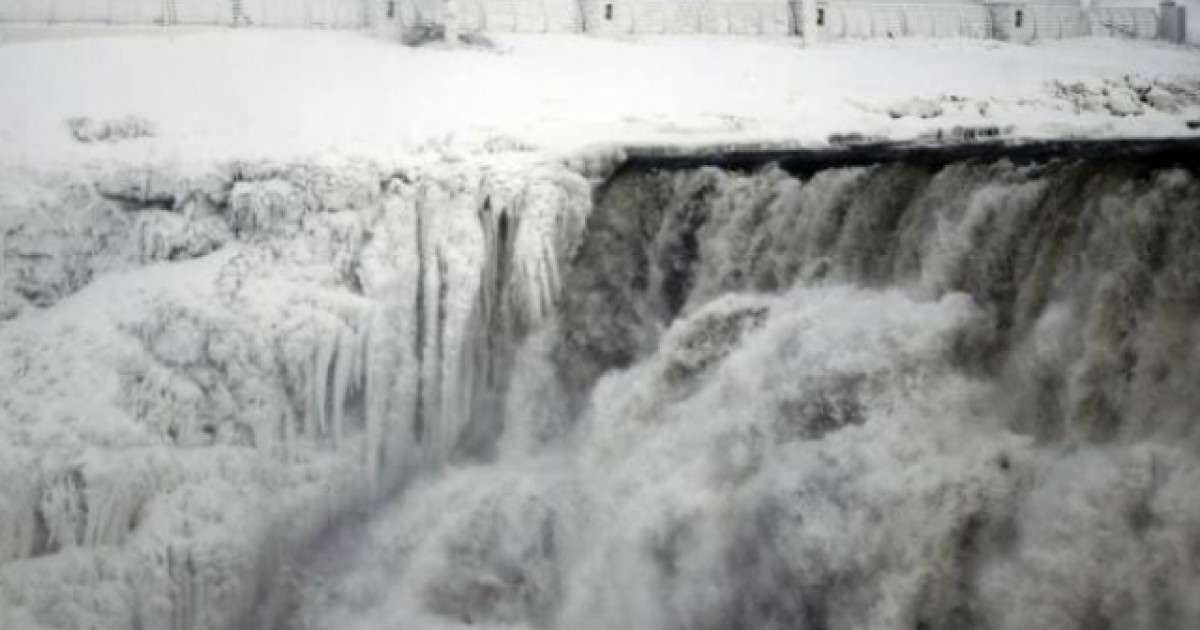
(62, 507)
(320, 384)
(358, 366)
(371, 412)
(285, 436)
(18, 536)
(308, 422)
(99, 512)
(549, 284)
(430, 366)
(346, 359)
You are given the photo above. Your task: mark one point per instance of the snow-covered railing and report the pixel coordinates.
(94, 11)
(305, 13)
(281, 13)
(648, 17)
(746, 18)
(517, 16)
(1025, 22)
(1139, 22)
(836, 20)
(1057, 22)
(864, 20)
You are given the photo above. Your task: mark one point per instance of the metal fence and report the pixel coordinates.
(277, 13)
(1139, 22)
(1058, 22)
(837, 20)
(746, 18)
(519, 16)
(869, 20)
(305, 13)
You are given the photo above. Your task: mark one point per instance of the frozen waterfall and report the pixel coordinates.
(496, 394)
(895, 396)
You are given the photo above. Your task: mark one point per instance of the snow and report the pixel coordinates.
(221, 94)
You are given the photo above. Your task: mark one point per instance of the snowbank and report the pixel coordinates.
(225, 94)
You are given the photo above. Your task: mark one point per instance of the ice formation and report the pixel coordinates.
(230, 363)
(467, 394)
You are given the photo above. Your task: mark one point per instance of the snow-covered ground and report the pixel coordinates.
(227, 93)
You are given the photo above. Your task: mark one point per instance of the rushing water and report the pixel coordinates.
(895, 396)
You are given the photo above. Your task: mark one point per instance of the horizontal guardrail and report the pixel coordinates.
(838, 20)
(272, 13)
(653, 17)
(874, 20)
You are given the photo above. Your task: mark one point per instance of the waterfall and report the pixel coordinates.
(915, 394)
(899, 395)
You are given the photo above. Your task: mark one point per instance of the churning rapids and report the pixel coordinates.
(898, 396)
